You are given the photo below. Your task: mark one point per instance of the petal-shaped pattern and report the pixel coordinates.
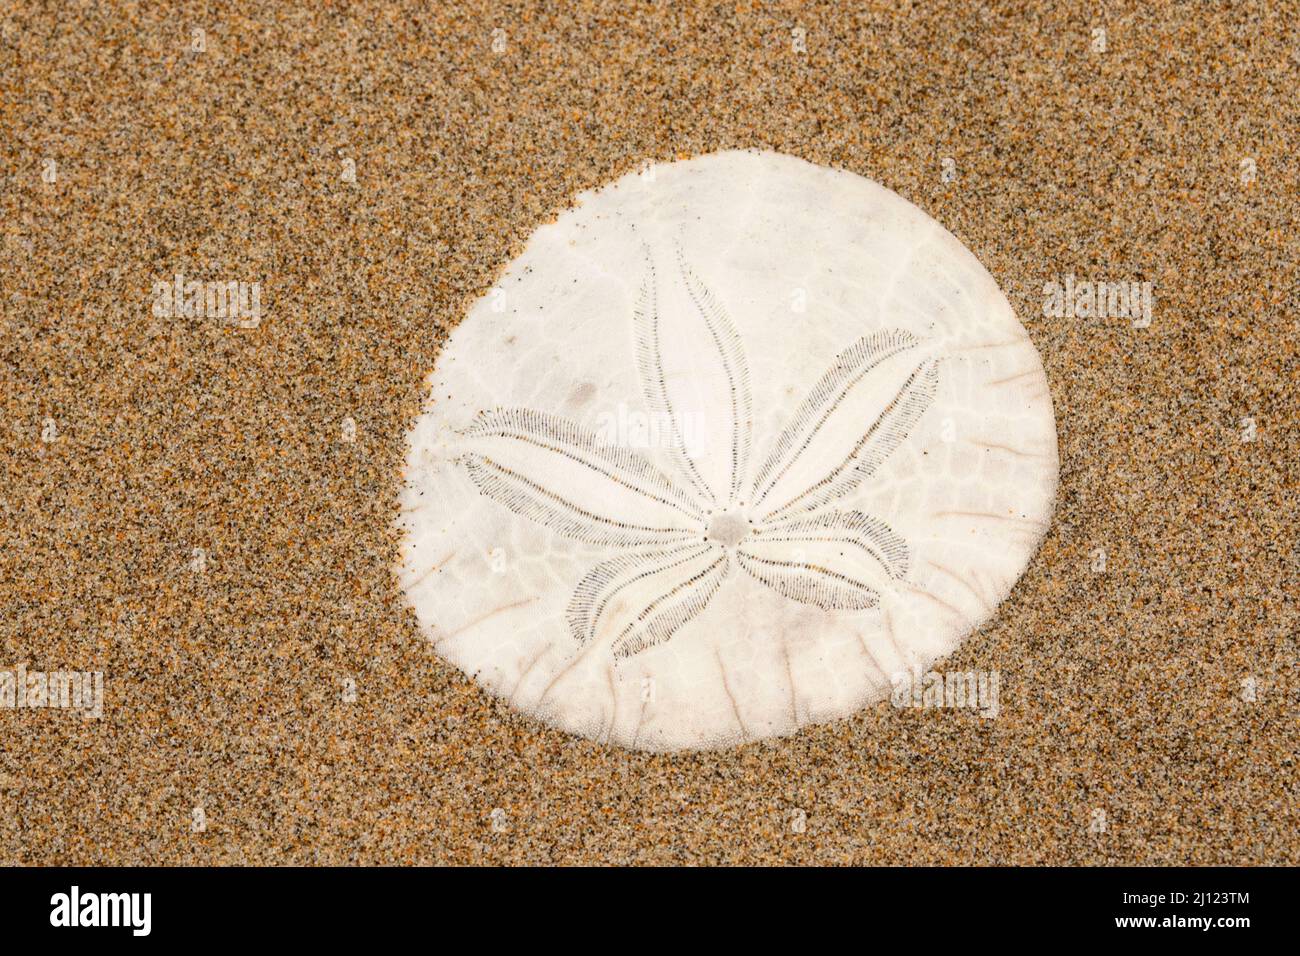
(555, 472)
(839, 560)
(694, 376)
(636, 601)
(855, 416)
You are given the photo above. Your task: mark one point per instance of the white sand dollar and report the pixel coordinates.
(733, 442)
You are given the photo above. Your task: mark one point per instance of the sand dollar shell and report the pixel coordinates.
(732, 443)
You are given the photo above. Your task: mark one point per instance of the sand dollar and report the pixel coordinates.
(732, 443)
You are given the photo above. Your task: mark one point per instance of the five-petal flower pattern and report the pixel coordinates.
(678, 538)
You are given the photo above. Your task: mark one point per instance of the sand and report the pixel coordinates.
(1147, 712)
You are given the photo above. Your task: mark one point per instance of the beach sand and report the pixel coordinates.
(1148, 712)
